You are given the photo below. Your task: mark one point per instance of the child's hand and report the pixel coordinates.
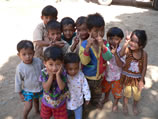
(59, 71)
(128, 37)
(114, 49)
(141, 85)
(59, 44)
(21, 97)
(87, 102)
(76, 39)
(90, 41)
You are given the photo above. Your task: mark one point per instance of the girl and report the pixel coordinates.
(134, 69)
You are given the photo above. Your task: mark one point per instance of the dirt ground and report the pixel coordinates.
(20, 17)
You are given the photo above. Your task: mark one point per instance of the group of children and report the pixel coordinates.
(72, 64)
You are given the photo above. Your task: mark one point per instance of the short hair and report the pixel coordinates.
(67, 21)
(71, 58)
(95, 20)
(54, 53)
(49, 10)
(142, 37)
(81, 20)
(24, 44)
(53, 25)
(115, 31)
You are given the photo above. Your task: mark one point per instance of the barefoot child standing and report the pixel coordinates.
(134, 69)
(26, 77)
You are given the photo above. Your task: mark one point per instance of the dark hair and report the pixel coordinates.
(53, 25)
(95, 20)
(24, 44)
(54, 53)
(81, 20)
(142, 37)
(115, 31)
(50, 11)
(67, 21)
(71, 58)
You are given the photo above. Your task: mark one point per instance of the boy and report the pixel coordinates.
(27, 73)
(40, 35)
(68, 29)
(114, 68)
(54, 85)
(82, 34)
(54, 34)
(94, 54)
(77, 84)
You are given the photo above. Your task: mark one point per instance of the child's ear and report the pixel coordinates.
(18, 54)
(42, 17)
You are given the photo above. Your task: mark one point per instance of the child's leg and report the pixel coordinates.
(78, 113)
(36, 105)
(115, 105)
(136, 95)
(27, 108)
(125, 105)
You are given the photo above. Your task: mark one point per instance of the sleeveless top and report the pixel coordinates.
(131, 73)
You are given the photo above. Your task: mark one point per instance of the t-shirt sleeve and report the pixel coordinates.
(18, 80)
(38, 33)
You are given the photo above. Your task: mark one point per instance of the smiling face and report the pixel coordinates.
(68, 31)
(53, 66)
(54, 34)
(72, 68)
(96, 32)
(114, 41)
(134, 43)
(82, 30)
(26, 55)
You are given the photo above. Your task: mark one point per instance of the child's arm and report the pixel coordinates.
(61, 83)
(84, 53)
(38, 37)
(74, 44)
(86, 90)
(142, 81)
(117, 58)
(124, 49)
(47, 85)
(18, 83)
(107, 55)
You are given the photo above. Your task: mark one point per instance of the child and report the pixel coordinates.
(82, 34)
(134, 69)
(27, 73)
(77, 85)
(68, 29)
(40, 35)
(94, 54)
(54, 34)
(54, 85)
(114, 68)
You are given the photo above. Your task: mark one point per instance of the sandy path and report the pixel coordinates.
(18, 20)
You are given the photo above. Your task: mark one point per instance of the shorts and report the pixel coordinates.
(114, 86)
(57, 113)
(29, 96)
(132, 90)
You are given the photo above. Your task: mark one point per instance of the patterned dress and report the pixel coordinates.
(132, 70)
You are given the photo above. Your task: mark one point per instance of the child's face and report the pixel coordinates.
(97, 32)
(134, 43)
(53, 66)
(82, 30)
(68, 31)
(114, 41)
(26, 55)
(72, 68)
(54, 34)
(46, 19)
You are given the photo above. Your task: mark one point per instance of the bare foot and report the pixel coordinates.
(135, 110)
(102, 102)
(125, 110)
(114, 108)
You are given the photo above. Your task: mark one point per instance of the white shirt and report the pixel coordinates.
(114, 71)
(78, 88)
(27, 76)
